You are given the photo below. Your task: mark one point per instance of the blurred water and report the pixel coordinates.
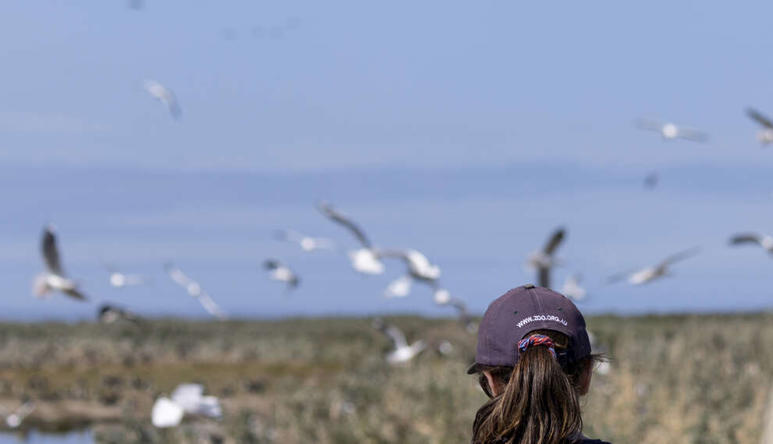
(35, 437)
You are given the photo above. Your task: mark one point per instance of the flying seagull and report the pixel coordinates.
(194, 289)
(54, 278)
(121, 280)
(14, 419)
(419, 269)
(307, 243)
(282, 273)
(764, 135)
(671, 131)
(110, 314)
(572, 288)
(544, 260)
(763, 240)
(186, 398)
(401, 352)
(649, 274)
(365, 259)
(165, 96)
(443, 297)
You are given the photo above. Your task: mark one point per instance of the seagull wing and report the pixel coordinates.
(745, 238)
(339, 218)
(682, 255)
(51, 252)
(692, 134)
(554, 241)
(271, 264)
(396, 335)
(759, 118)
(543, 277)
(648, 124)
(75, 294)
(177, 275)
(206, 301)
(620, 276)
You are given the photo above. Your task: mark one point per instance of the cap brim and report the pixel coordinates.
(474, 368)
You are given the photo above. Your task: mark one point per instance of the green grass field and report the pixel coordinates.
(673, 379)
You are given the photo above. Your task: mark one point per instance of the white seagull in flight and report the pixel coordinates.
(572, 288)
(670, 131)
(543, 260)
(649, 274)
(402, 351)
(764, 135)
(365, 259)
(307, 243)
(194, 289)
(419, 269)
(443, 297)
(14, 419)
(282, 273)
(165, 96)
(54, 278)
(122, 280)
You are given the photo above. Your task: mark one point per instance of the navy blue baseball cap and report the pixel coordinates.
(520, 311)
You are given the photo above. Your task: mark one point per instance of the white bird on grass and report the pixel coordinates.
(14, 419)
(402, 352)
(365, 259)
(194, 289)
(763, 240)
(54, 278)
(307, 243)
(165, 96)
(186, 398)
(282, 273)
(572, 288)
(543, 260)
(671, 131)
(765, 135)
(649, 274)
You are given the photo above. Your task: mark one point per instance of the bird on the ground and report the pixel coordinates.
(442, 297)
(402, 352)
(165, 96)
(194, 289)
(651, 180)
(365, 259)
(649, 274)
(763, 240)
(15, 417)
(54, 278)
(110, 314)
(543, 260)
(572, 288)
(186, 398)
(282, 273)
(122, 280)
(764, 135)
(419, 269)
(307, 243)
(670, 131)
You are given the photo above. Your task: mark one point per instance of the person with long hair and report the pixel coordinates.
(534, 361)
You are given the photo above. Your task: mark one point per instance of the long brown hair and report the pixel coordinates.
(540, 400)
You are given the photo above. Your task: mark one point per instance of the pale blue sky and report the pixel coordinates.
(466, 130)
